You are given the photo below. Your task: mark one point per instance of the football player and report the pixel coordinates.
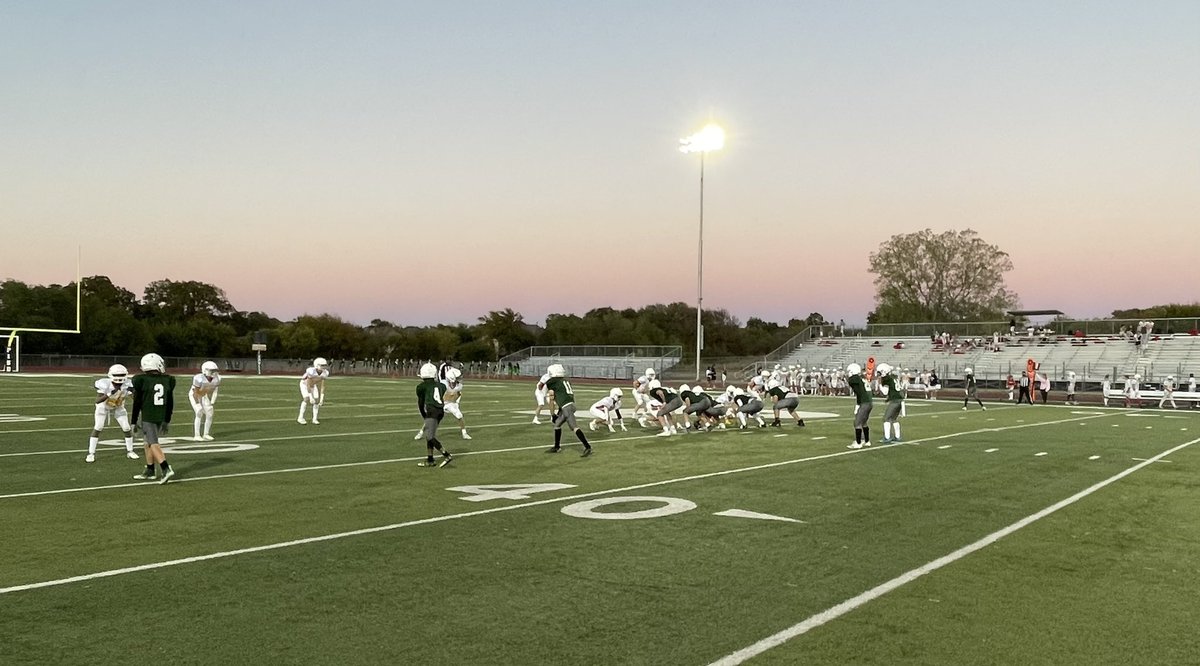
(640, 386)
(894, 406)
(784, 400)
(450, 401)
(862, 406)
(1168, 389)
(669, 402)
(542, 395)
(972, 390)
(698, 402)
(565, 398)
(153, 404)
(312, 388)
(205, 386)
(604, 410)
(430, 402)
(111, 393)
(749, 404)
(1071, 388)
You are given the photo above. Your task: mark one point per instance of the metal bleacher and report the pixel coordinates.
(1090, 357)
(596, 361)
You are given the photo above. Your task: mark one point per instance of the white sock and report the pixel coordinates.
(301, 410)
(129, 443)
(315, 408)
(887, 430)
(196, 427)
(208, 425)
(741, 418)
(896, 429)
(92, 442)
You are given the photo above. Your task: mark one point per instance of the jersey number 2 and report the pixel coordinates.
(159, 390)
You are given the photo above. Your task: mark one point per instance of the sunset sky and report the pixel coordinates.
(426, 162)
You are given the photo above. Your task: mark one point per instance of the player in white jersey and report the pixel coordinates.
(312, 389)
(1105, 387)
(111, 393)
(1168, 389)
(758, 383)
(1071, 388)
(543, 397)
(606, 409)
(203, 395)
(640, 386)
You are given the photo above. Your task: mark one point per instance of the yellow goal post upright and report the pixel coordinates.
(12, 346)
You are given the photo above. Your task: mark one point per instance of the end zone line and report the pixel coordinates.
(455, 516)
(841, 609)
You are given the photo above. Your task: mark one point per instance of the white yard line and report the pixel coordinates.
(903, 579)
(456, 516)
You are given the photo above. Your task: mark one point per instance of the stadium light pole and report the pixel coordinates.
(711, 138)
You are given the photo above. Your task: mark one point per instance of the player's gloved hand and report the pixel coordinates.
(165, 427)
(137, 428)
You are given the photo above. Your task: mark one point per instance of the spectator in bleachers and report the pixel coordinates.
(898, 345)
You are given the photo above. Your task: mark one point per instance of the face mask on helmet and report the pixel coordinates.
(118, 374)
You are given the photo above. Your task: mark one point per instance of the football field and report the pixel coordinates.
(1016, 535)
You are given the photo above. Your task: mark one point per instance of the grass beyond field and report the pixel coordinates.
(1016, 535)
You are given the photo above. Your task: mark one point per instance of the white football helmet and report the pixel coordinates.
(654, 383)
(684, 387)
(773, 384)
(452, 374)
(765, 373)
(320, 363)
(883, 369)
(650, 372)
(614, 393)
(556, 370)
(968, 371)
(1169, 377)
(428, 371)
(153, 363)
(730, 390)
(697, 389)
(854, 369)
(118, 374)
(209, 369)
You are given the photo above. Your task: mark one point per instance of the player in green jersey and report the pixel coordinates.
(894, 404)
(431, 404)
(862, 406)
(153, 404)
(564, 397)
(972, 390)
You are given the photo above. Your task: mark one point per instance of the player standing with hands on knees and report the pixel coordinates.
(111, 393)
(203, 396)
(312, 389)
(153, 403)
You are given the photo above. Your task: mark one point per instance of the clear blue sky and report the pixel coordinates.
(312, 157)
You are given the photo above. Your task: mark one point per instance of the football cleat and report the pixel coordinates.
(301, 421)
(316, 422)
(446, 458)
(208, 438)
(855, 445)
(465, 435)
(554, 450)
(91, 457)
(167, 475)
(128, 454)
(144, 477)
(586, 452)
(420, 434)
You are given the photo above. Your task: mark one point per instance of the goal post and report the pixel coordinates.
(12, 348)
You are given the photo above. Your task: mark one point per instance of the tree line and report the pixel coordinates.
(195, 319)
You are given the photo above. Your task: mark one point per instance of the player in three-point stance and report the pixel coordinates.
(312, 389)
(153, 405)
(430, 403)
(203, 395)
(862, 406)
(606, 409)
(785, 400)
(564, 397)
(111, 393)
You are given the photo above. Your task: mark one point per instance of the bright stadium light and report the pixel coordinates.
(711, 138)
